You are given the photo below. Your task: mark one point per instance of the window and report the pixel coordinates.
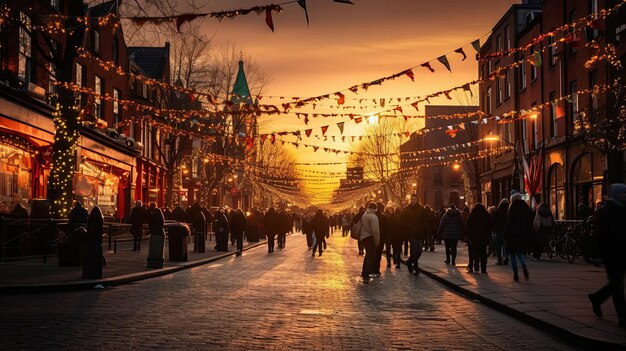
(25, 50)
(489, 106)
(533, 70)
(507, 84)
(522, 75)
(556, 198)
(574, 101)
(593, 81)
(116, 114)
(52, 78)
(99, 89)
(507, 38)
(54, 4)
(552, 114)
(498, 90)
(116, 54)
(551, 51)
(438, 175)
(79, 81)
(593, 10)
(96, 41)
(438, 199)
(571, 47)
(498, 44)
(144, 90)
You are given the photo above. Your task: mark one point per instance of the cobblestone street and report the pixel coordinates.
(287, 300)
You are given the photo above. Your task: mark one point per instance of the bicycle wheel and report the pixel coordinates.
(570, 250)
(550, 248)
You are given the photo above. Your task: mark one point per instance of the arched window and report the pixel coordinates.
(556, 198)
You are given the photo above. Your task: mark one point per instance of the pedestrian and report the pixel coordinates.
(499, 222)
(479, 226)
(452, 229)
(285, 225)
(383, 229)
(78, 215)
(355, 220)
(543, 226)
(271, 224)
(320, 225)
(345, 225)
(238, 226)
(307, 231)
(612, 241)
(296, 220)
(431, 229)
(137, 219)
(396, 234)
(519, 225)
(222, 228)
(252, 228)
(415, 221)
(370, 237)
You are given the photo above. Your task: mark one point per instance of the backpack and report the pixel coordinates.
(355, 231)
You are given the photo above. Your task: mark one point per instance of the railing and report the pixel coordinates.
(34, 237)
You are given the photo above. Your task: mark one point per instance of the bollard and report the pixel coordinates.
(92, 245)
(156, 223)
(115, 247)
(110, 236)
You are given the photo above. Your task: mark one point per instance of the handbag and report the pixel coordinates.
(355, 231)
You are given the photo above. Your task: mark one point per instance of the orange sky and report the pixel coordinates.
(351, 44)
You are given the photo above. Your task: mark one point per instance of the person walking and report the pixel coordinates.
(355, 220)
(307, 229)
(519, 225)
(499, 222)
(383, 229)
(320, 226)
(612, 241)
(271, 222)
(222, 228)
(479, 226)
(296, 221)
(543, 226)
(285, 226)
(137, 219)
(370, 238)
(396, 234)
(431, 228)
(238, 226)
(451, 229)
(415, 221)
(345, 225)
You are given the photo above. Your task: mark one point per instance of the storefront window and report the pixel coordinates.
(557, 191)
(15, 177)
(95, 186)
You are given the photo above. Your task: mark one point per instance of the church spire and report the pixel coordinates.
(241, 91)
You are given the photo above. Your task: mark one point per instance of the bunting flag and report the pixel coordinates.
(345, 2)
(460, 51)
(272, 138)
(467, 87)
(308, 132)
(444, 60)
(340, 126)
(358, 120)
(476, 45)
(268, 18)
(324, 129)
(263, 138)
(302, 4)
(427, 65)
(382, 102)
(447, 94)
(181, 19)
(341, 98)
(415, 104)
(409, 73)
(559, 110)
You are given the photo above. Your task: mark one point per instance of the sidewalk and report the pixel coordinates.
(34, 276)
(553, 299)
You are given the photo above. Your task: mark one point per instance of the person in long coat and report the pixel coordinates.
(137, 219)
(396, 234)
(285, 226)
(451, 229)
(222, 228)
(370, 236)
(320, 225)
(271, 223)
(415, 222)
(543, 226)
(354, 221)
(479, 226)
(499, 222)
(383, 223)
(238, 226)
(519, 226)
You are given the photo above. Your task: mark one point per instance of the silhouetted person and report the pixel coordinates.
(370, 236)
(137, 219)
(271, 223)
(452, 229)
(479, 226)
(238, 227)
(222, 228)
(519, 225)
(320, 226)
(543, 225)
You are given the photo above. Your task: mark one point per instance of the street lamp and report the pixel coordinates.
(517, 179)
(456, 166)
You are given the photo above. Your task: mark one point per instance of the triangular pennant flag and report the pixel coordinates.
(447, 94)
(444, 60)
(186, 18)
(263, 138)
(467, 87)
(343, 139)
(324, 129)
(308, 132)
(536, 59)
(352, 138)
(345, 1)
(315, 148)
(415, 105)
(342, 99)
(460, 51)
(382, 102)
(409, 73)
(302, 4)
(476, 45)
(407, 134)
(358, 120)
(340, 125)
(268, 18)
(427, 65)
(398, 108)
(272, 138)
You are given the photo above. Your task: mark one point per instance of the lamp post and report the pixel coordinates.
(517, 179)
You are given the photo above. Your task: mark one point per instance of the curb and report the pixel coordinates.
(113, 281)
(566, 335)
